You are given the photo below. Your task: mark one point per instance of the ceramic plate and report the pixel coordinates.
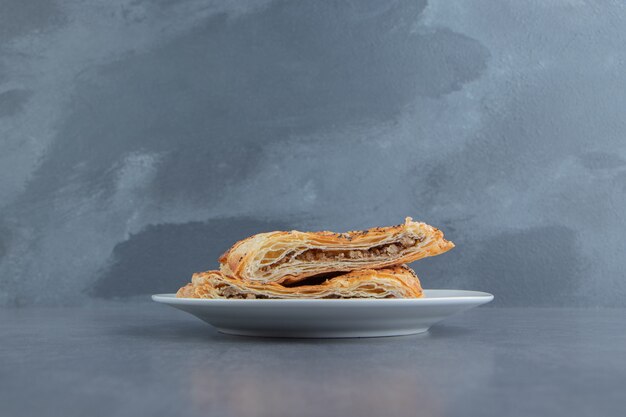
(328, 318)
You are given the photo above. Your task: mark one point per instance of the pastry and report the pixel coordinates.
(395, 282)
(290, 257)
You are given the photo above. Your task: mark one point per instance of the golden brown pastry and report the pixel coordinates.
(396, 282)
(289, 257)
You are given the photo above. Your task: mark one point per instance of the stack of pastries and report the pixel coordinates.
(357, 264)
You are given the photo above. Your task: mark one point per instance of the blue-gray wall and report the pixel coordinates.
(138, 139)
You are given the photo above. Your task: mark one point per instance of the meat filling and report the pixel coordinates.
(389, 249)
(232, 293)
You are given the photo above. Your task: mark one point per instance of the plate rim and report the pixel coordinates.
(470, 296)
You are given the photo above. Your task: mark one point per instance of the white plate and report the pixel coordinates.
(328, 318)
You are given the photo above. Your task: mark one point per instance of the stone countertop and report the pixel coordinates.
(119, 359)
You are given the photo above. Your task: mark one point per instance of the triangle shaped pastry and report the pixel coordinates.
(395, 282)
(290, 257)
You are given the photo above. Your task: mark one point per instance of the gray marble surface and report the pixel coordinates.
(144, 359)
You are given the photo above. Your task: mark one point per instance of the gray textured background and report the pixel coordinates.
(138, 139)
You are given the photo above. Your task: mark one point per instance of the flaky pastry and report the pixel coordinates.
(396, 282)
(289, 257)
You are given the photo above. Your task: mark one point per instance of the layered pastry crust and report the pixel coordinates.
(290, 257)
(395, 282)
